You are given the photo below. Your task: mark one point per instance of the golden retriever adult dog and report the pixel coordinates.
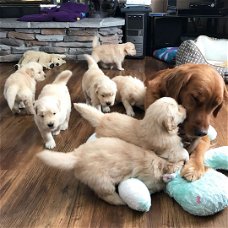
(201, 90)
(99, 90)
(110, 54)
(131, 92)
(53, 108)
(105, 162)
(157, 131)
(20, 88)
(45, 59)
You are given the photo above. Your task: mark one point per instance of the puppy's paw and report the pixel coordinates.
(168, 177)
(120, 68)
(106, 109)
(64, 127)
(56, 132)
(173, 167)
(193, 171)
(130, 113)
(50, 144)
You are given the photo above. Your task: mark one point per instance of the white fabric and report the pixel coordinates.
(214, 50)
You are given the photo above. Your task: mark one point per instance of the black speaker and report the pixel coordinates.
(166, 31)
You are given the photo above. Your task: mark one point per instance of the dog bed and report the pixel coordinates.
(205, 50)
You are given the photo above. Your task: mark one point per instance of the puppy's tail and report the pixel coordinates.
(95, 42)
(59, 160)
(91, 62)
(11, 94)
(63, 77)
(91, 114)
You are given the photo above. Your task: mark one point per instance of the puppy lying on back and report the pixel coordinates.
(20, 87)
(157, 131)
(45, 59)
(110, 54)
(105, 162)
(131, 92)
(99, 90)
(53, 108)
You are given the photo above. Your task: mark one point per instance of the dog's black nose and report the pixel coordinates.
(200, 133)
(57, 64)
(52, 65)
(50, 125)
(108, 103)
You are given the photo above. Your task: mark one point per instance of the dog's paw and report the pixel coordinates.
(106, 109)
(50, 144)
(193, 171)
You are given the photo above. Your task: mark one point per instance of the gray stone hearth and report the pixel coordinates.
(71, 38)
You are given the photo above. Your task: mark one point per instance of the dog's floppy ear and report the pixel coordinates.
(96, 87)
(169, 124)
(225, 100)
(30, 71)
(176, 81)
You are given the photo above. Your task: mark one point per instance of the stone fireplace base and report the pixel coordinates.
(70, 38)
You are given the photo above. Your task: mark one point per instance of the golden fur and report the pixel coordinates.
(105, 162)
(20, 88)
(99, 90)
(131, 92)
(45, 59)
(53, 108)
(201, 90)
(110, 54)
(157, 131)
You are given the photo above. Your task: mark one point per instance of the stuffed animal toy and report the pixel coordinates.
(203, 197)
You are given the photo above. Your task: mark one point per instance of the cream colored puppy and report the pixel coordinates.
(131, 92)
(45, 59)
(99, 90)
(112, 53)
(105, 162)
(53, 108)
(20, 88)
(157, 131)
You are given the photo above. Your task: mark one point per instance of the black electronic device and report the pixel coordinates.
(135, 31)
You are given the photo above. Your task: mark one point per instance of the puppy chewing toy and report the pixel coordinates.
(203, 197)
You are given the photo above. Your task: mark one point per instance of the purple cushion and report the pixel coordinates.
(65, 16)
(36, 17)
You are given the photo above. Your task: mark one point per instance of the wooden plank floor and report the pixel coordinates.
(34, 195)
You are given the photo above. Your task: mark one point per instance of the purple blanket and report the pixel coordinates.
(66, 12)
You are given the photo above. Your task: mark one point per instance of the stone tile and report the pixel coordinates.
(23, 36)
(49, 37)
(53, 31)
(28, 30)
(12, 42)
(3, 34)
(36, 43)
(10, 58)
(72, 44)
(81, 32)
(78, 38)
(57, 50)
(21, 50)
(77, 51)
